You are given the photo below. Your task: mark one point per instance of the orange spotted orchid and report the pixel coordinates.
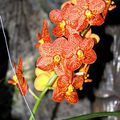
(73, 49)
(92, 10)
(66, 22)
(19, 80)
(79, 51)
(52, 56)
(66, 89)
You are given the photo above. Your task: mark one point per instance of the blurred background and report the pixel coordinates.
(22, 21)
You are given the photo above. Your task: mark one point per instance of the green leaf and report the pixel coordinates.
(95, 115)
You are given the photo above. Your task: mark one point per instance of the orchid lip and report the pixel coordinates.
(56, 59)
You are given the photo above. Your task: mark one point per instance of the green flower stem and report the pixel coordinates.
(51, 81)
(33, 94)
(95, 115)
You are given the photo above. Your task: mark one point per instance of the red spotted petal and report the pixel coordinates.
(73, 63)
(21, 83)
(72, 18)
(45, 33)
(81, 3)
(104, 13)
(82, 23)
(46, 49)
(97, 20)
(58, 95)
(65, 5)
(57, 31)
(73, 45)
(59, 44)
(45, 63)
(19, 67)
(39, 36)
(90, 57)
(87, 44)
(75, 39)
(96, 6)
(65, 8)
(72, 98)
(70, 31)
(23, 86)
(55, 16)
(63, 82)
(78, 82)
(60, 69)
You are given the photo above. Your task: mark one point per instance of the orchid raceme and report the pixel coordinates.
(73, 49)
(19, 80)
(63, 63)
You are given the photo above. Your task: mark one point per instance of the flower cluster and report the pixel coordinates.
(70, 55)
(73, 49)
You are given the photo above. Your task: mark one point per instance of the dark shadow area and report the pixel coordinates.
(6, 91)
(55, 110)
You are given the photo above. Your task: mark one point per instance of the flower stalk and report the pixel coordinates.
(42, 94)
(33, 94)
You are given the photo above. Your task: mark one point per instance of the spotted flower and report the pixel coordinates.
(52, 56)
(66, 89)
(19, 79)
(44, 36)
(66, 22)
(79, 51)
(92, 10)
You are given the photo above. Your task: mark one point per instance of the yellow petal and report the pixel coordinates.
(15, 78)
(39, 71)
(41, 82)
